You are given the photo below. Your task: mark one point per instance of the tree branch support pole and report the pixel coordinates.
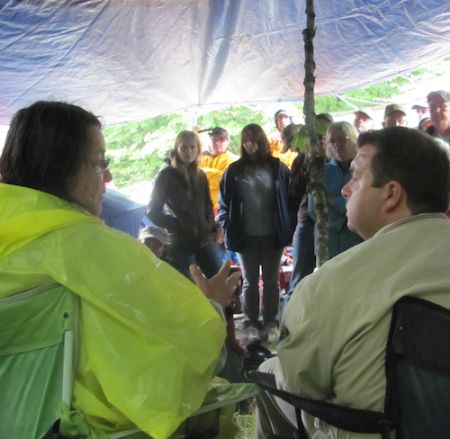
(317, 163)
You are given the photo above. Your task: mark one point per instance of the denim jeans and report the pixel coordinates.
(303, 255)
(260, 251)
(206, 257)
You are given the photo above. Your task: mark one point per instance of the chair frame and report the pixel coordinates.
(407, 309)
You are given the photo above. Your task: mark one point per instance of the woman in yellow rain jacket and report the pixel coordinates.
(149, 339)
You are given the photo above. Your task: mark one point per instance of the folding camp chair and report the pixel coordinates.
(38, 350)
(417, 403)
(38, 337)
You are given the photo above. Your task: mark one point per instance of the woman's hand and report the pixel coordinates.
(220, 287)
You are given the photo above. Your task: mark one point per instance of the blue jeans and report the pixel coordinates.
(206, 257)
(303, 255)
(260, 251)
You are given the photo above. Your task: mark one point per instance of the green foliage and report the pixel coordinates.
(380, 91)
(131, 168)
(233, 119)
(372, 93)
(138, 148)
(247, 426)
(134, 135)
(331, 104)
(301, 139)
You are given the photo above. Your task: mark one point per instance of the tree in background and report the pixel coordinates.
(138, 149)
(316, 165)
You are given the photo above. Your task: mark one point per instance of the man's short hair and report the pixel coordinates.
(415, 161)
(219, 131)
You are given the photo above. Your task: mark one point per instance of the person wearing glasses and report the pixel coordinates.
(341, 137)
(149, 339)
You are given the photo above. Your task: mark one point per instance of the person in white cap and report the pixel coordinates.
(155, 238)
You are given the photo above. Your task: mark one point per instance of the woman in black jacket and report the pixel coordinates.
(257, 221)
(181, 203)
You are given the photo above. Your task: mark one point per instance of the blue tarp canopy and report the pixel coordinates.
(122, 213)
(133, 59)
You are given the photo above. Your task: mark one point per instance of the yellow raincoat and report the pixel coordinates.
(149, 339)
(214, 167)
(276, 146)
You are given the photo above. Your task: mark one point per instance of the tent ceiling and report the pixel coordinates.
(133, 59)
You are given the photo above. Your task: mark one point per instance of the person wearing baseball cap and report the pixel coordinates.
(394, 116)
(439, 105)
(282, 119)
(421, 110)
(363, 120)
(214, 163)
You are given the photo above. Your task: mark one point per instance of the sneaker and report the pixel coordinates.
(252, 335)
(252, 331)
(272, 333)
(253, 324)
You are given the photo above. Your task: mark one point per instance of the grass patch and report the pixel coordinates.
(247, 425)
(245, 419)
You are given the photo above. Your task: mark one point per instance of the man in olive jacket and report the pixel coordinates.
(337, 322)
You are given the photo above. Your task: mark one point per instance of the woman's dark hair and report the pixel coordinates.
(257, 134)
(46, 145)
(416, 161)
(288, 134)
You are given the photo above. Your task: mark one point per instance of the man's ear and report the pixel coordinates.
(394, 196)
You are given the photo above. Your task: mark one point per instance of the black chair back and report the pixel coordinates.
(417, 380)
(419, 356)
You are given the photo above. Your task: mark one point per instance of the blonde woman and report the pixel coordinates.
(181, 203)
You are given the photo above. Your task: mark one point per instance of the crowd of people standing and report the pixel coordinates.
(152, 335)
(262, 202)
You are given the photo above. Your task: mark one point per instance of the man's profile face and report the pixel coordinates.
(396, 119)
(219, 144)
(362, 122)
(363, 200)
(440, 114)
